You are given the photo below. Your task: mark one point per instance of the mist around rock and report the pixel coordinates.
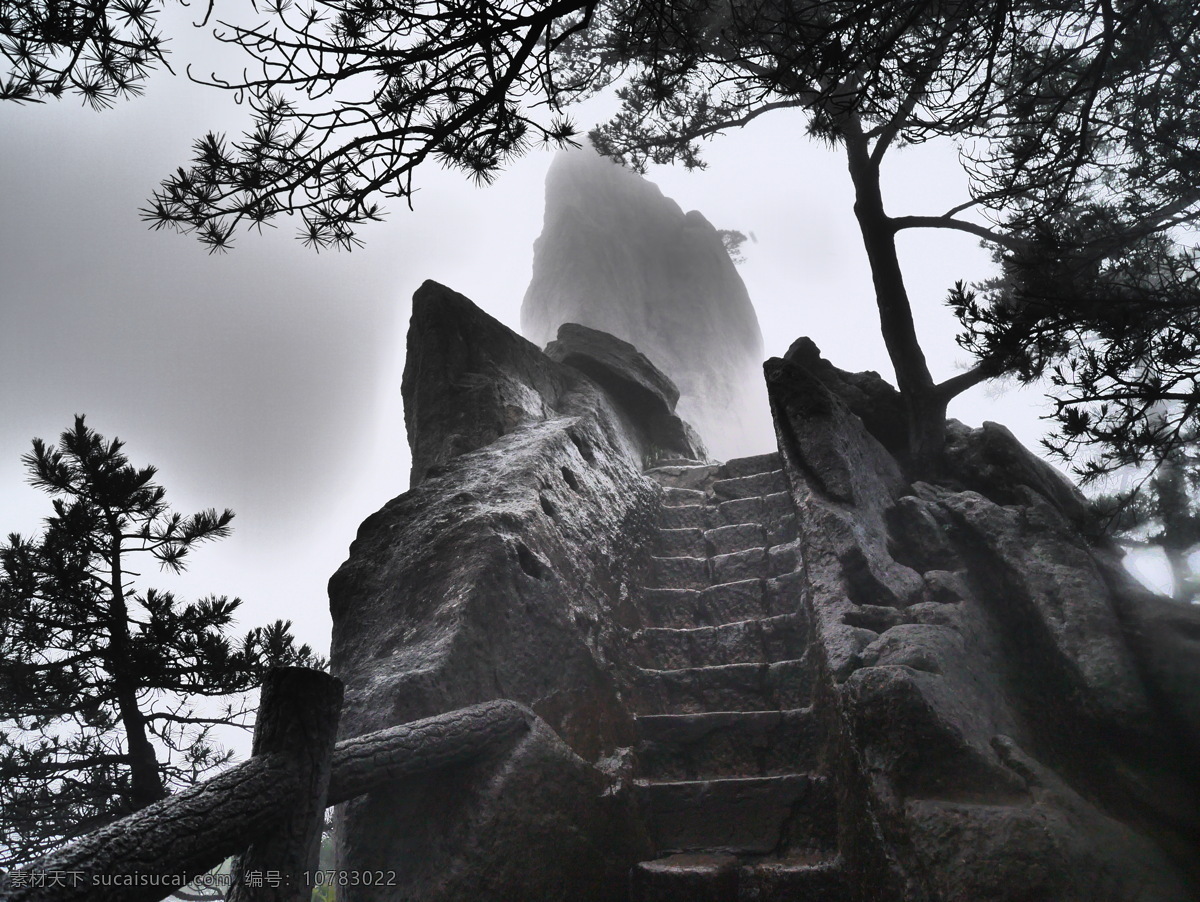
(618, 256)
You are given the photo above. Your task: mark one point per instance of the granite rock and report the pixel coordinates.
(503, 573)
(635, 383)
(1005, 724)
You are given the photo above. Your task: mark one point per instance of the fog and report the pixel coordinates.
(267, 379)
(615, 254)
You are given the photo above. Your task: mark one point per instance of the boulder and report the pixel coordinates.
(991, 461)
(468, 379)
(633, 382)
(617, 365)
(867, 395)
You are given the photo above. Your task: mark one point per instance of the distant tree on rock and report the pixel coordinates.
(732, 240)
(1163, 510)
(97, 678)
(1076, 123)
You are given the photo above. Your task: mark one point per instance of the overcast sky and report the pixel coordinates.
(268, 379)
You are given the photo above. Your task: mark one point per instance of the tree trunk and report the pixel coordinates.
(297, 716)
(1179, 527)
(926, 409)
(145, 777)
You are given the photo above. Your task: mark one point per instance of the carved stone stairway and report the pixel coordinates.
(722, 691)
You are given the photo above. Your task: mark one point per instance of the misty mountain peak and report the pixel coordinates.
(618, 256)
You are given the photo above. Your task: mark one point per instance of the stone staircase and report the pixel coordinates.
(722, 692)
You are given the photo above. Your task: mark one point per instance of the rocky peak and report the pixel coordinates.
(618, 256)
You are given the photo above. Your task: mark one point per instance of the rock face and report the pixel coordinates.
(505, 572)
(617, 256)
(1002, 728)
(791, 676)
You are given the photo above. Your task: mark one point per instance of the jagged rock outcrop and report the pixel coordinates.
(1002, 729)
(617, 256)
(635, 383)
(797, 675)
(504, 573)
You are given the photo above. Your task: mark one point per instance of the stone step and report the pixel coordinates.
(741, 815)
(687, 572)
(748, 599)
(757, 485)
(739, 510)
(772, 510)
(782, 530)
(673, 497)
(714, 606)
(673, 608)
(721, 877)
(679, 573)
(683, 516)
(683, 476)
(784, 594)
(685, 541)
(749, 466)
(754, 563)
(727, 743)
(735, 537)
(778, 638)
(680, 462)
(732, 602)
(815, 877)
(724, 687)
(691, 541)
(686, 877)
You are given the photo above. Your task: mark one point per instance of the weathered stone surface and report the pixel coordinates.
(867, 395)
(504, 573)
(1165, 637)
(737, 537)
(729, 743)
(617, 365)
(684, 516)
(616, 255)
(539, 823)
(733, 601)
(991, 461)
(634, 383)
(1002, 726)
(685, 542)
(748, 814)
(727, 687)
(687, 877)
(832, 446)
(740, 565)
(1003, 713)
(683, 476)
(468, 379)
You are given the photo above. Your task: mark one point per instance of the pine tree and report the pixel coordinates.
(97, 678)
(1163, 510)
